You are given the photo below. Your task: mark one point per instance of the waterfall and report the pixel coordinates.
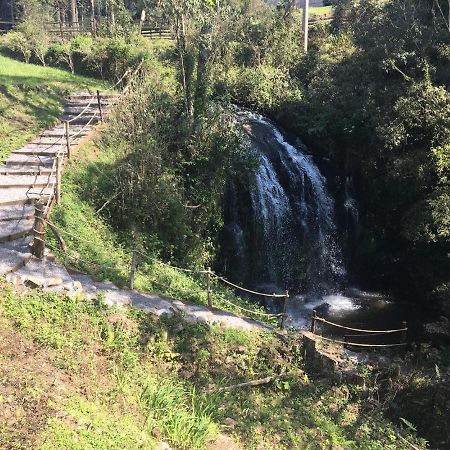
(294, 230)
(350, 205)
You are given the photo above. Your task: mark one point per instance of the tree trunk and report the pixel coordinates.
(93, 21)
(202, 72)
(73, 14)
(112, 17)
(185, 72)
(12, 10)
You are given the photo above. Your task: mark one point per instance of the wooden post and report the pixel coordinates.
(405, 332)
(99, 101)
(208, 284)
(67, 133)
(283, 317)
(133, 268)
(58, 180)
(313, 322)
(38, 247)
(305, 24)
(141, 21)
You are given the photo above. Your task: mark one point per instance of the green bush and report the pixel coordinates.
(264, 87)
(29, 39)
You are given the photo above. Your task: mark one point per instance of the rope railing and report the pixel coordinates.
(210, 276)
(374, 332)
(367, 333)
(54, 178)
(249, 291)
(94, 96)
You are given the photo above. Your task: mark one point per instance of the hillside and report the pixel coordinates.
(245, 239)
(78, 375)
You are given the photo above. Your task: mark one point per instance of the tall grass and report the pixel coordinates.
(184, 415)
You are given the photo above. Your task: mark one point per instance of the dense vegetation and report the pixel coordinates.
(78, 375)
(358, 98)
(371, 98)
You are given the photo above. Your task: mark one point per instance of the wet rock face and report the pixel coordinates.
(280, 225)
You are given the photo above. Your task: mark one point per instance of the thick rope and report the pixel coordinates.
(248, 290)
(169, 265)
(358, 329)
(250, 311)
(361, 345)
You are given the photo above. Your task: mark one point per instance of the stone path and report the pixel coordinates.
(26, 176)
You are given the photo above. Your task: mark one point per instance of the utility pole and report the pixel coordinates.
(305, 24)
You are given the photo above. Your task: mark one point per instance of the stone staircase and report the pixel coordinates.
(28, 175)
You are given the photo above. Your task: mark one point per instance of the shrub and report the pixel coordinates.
(264, 87)
(111, 57)
(16, 42)
(29, 39)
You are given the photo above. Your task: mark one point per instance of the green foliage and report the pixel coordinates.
(29, 39)
(182, 415)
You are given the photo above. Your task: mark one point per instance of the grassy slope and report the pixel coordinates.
(31, 99)
(77, 375)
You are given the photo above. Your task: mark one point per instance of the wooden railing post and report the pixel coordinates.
(58, 179)
(404, 332)
(38, 247)
(313, 322)
(99, 101)
(284, 316)
(208, 285)
(133, 268)
(141, 21)
(67, 133)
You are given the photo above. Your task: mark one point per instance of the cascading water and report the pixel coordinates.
(291, 215)
(280, 232)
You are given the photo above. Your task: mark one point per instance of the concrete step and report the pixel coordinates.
(24, 170)
(49, 140)
(87, 96)
(13, 181)
(15, 229)
(23, 196)
(29, 160)
(16, 212)
(41, 150)
(82, 120)
(59, 131)
(75, 110)
(21, 245)
(12, 260)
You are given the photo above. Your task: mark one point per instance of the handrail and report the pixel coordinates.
(321, 319)
(355, 344)
(249, 290)
(84, 109)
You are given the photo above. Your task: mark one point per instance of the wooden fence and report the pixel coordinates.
(362, 333)
(70, 29)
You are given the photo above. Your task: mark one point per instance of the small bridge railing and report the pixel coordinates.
(402, 332)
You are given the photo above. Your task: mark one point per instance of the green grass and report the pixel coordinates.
(127, 380)
(31, 99)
